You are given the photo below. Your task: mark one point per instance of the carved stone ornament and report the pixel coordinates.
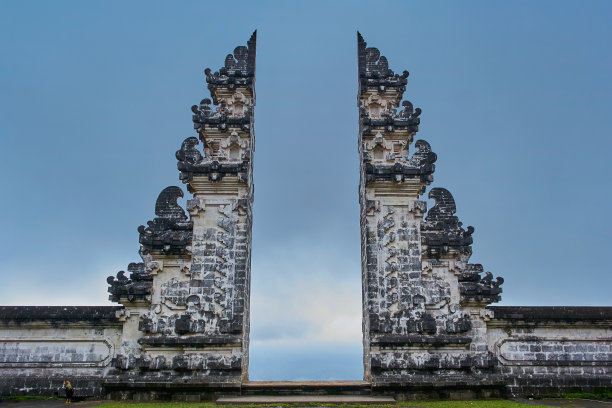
(442, 232)
(169, 232)
(238, 70)
(374, 69)
(420, 166)
(136, 288)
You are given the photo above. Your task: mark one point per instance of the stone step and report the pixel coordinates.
(305, 399)
(336, 388)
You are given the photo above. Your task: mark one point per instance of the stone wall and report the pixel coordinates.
(551, 350)
(42, 346)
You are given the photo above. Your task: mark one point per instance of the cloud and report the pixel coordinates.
(315, 361)
(300, 297)
(37, 284)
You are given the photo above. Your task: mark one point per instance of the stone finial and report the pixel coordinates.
(442, 231)
(238, 70)
(475, 288)
(189, 153)
(408, 111)
(169, 232)
(135, 288)
(167, 204)
(444, 209)
(374, 69)
(424, 159)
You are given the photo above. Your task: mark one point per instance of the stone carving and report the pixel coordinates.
(135, 288)
(232, 113)
(409, 113)
(424, 159)
(374, 69)
(214, 170)
(224, 154)
(169, 232)
(442, 231)
(475, 288)
(419, 167)
(377, 112)
(189, 153)
(443, 236)
(415, 285)
(195, 302)
(238, 105)
(239, 69)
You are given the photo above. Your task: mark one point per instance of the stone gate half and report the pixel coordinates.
(186, 306)
(427, 327)
(423, 302)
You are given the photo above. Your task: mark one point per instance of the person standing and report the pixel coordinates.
(69, 391)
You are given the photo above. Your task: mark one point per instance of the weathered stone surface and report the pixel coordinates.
(561, 314)
(58, 314)
(419, 316)
(374, 69)
(135, 288)
(187, 303)
(42, 346)
(550, 350)
(238, 70)
(170, 232)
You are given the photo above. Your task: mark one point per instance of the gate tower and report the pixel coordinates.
(186, 306)
(423, 302)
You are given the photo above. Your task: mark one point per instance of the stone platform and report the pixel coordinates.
(305, 392)
(305, 399)
(305, 388)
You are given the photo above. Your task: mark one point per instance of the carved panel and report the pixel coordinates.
(55, 353)
(555, 352)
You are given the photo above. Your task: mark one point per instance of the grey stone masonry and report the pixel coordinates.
(186, 316)
(424, 305)
(552, 350)
(42, 346)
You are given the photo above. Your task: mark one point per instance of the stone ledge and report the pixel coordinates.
(305, 399)
(336, 387)
(440, 340)
(190, 341)
(172, 385)
(61, 313)
(440, 381)
(552, 313)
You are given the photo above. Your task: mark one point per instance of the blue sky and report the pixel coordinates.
(516, 100)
